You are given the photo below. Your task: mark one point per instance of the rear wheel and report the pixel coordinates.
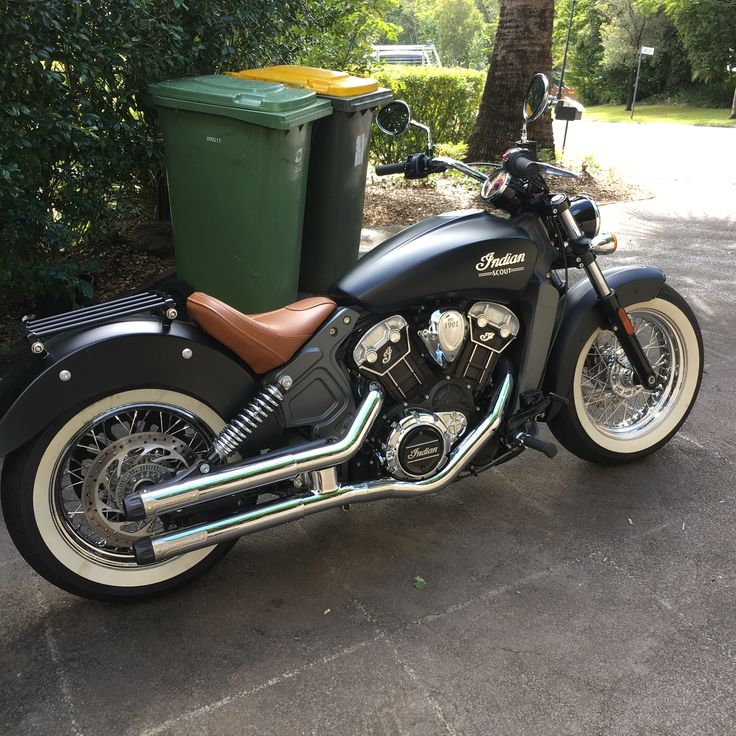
(62, 492)
(612, 419)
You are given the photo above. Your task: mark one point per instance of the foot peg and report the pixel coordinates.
(535, 443)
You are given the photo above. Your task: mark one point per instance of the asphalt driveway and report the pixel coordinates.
(561, 598)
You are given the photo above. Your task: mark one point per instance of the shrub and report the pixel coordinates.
(446, 99)
(77, 143)
(715, 94)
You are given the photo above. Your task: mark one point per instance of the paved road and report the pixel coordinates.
(561, 598)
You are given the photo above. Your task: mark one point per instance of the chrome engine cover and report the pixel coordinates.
(444, 337)
(385, 350)
(491, 328)
(419, 443)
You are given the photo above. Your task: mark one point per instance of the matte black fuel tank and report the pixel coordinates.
(459, 254)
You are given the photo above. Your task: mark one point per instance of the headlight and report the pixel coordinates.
(586, 214)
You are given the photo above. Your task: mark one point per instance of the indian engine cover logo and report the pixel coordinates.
(486, 336)
(420, 453)
(492, 265)
(386, 355)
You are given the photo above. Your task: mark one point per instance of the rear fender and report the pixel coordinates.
(582, 316)
(136, 353)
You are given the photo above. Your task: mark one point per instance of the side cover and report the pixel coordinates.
(113, 357)
(461, 254)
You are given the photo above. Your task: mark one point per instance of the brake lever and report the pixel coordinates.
(556, 170)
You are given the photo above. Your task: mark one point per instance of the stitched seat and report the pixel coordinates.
(264, 341)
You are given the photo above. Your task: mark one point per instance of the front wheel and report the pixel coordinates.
(610, 418)
(62, 492)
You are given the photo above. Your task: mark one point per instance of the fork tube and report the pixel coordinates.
(615, 313)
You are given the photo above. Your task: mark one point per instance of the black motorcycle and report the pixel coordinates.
(148, 433)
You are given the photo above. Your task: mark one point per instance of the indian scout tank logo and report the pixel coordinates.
(490, 265)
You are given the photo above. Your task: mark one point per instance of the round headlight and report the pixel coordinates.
(586, 214)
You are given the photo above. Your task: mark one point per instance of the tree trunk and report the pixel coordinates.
(732, 116)
(523, 47)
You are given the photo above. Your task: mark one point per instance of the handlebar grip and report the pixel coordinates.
(386, 169)
(522, 166)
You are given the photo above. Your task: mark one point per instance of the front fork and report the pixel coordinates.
(615, 314)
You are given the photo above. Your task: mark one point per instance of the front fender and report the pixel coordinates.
(582, 316)
(136, 353)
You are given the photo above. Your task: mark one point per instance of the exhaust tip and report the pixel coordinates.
(143, 550)
(133, 507)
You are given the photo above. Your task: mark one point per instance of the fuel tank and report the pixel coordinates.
(459, 254)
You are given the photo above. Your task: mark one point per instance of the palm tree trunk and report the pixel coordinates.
(523, 47)
(733, 107)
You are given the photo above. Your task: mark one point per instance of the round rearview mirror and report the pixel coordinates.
(537, 98)
(393, 119)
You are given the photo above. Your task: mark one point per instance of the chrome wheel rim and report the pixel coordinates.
(613, 403)
(115, 453)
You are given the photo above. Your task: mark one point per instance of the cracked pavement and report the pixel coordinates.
(561, 598)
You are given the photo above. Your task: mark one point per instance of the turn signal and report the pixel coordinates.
(604, 244)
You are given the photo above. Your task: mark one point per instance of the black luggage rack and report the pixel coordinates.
(37, 330)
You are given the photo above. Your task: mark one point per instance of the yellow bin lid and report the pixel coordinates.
(322, 81)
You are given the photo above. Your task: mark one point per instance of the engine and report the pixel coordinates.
(435, 373)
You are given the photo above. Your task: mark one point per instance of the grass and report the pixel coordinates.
(644, 113)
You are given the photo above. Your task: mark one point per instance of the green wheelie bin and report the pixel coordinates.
(337, 168)
(237, 155)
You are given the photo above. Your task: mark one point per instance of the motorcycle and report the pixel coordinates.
(148, 433)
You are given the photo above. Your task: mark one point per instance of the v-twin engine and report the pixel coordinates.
(465, 345)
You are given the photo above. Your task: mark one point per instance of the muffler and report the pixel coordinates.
(271, 468)
(330, 495)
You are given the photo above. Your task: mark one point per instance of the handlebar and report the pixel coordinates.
(517, 162)
(420, 165)
(386, 169)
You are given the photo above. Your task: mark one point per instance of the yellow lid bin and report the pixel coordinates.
(322, 81)
(337, 167)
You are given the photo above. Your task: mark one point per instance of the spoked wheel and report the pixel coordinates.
(62, 493)
(613, 419)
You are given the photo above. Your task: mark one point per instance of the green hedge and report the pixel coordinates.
(78, 154)
(445, 98)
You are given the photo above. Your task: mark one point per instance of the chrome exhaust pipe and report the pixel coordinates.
(157, 549)
(271, 468)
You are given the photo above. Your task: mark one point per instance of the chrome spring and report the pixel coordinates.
(247, 421)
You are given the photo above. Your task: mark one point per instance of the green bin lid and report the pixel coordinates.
(269, 104)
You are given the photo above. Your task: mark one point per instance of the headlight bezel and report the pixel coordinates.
(587, 214)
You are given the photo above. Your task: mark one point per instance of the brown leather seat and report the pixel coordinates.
(264, 341)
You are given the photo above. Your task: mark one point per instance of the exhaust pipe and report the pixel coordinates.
(157, 549)
(271, 468)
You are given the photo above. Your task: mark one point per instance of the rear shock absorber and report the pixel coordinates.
(260, 408)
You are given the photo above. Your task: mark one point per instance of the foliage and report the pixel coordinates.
(338, 34)
(77, 142)
(713, 94)
(444, 98)
(604, 45)
(708, 31)
(462, 30)
(585, 55)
